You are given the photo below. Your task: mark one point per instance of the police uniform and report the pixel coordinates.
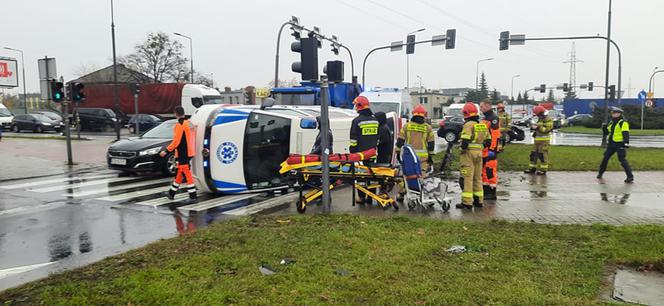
(617, 132)
(473, 137)
(490, 156)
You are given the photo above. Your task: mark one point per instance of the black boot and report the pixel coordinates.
(599, 176)
(170, 194)
(629, 180)
(477, 202)
(490, 194)
(193, 198)
(464, 206)
(530, 171)
(541, 172)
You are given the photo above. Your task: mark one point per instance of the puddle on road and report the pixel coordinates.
(632, 286)
(615, 198)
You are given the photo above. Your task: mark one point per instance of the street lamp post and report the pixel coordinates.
(650, 90)
(191, 54)
(477, 71)
(25, 96)
(512, 92)
(408, 61)
(116, 103)
(419, 78)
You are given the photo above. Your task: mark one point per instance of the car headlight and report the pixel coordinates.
(152, 151)
(46, 124)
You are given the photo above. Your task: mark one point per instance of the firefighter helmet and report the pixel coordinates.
(470, 110)
(539, 110)
(361, 103)
(419, 110)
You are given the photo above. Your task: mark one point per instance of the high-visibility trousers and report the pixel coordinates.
(539, 157)
(490, 172)
(471, 171)
(184, 174)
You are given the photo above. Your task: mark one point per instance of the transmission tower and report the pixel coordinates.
(572, 70)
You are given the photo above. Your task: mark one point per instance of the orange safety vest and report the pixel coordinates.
(178, 130)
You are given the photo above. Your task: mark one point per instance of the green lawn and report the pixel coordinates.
(595, 131)
(344, 259)
(570, 158)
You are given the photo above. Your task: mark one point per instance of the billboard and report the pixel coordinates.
(8, 72)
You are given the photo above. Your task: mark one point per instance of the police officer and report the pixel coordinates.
(419, 135)
(363, 133)
(617, 132)
(505, 123)
(539, 157)
(490, 153)
(473, 140)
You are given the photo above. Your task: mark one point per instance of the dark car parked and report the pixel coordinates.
(97, 119)
(579, 119)
(141, 154)
(37, 123)
(451, 126)
(145, 122)
(52, 115)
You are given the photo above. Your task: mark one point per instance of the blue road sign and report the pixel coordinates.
(642, 96)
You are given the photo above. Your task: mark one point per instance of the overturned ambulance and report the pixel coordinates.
(239, 148)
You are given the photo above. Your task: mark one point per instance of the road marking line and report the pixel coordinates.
(217, 202)
(52, 181)
(79, 185)
(24, 209)
(116, 188)
(164, 200)
(131, 195)
(252, 209)
(16, 270)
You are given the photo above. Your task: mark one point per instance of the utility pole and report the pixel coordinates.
(116, 103)
(606, 82)
(325, 136)
(572, 70)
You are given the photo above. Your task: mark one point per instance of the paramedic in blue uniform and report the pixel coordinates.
(617, 132)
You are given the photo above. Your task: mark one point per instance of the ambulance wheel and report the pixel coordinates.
(412, 204)
(301, 206)
(169, 168)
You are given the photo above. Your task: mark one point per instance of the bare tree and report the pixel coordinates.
(159, 57)
(85, 69)
(283, 83)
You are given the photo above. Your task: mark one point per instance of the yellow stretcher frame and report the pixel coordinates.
(363, 179)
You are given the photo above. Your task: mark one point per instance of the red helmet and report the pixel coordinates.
(539, 110)
(361, 103)
(500, 105)
(419, 110)
(470, 110)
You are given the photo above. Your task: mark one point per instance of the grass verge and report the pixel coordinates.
(569, 158)
(595, 131)
(344, 259)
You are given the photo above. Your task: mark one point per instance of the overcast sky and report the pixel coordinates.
(235, 40)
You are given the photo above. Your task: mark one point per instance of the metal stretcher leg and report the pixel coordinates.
(384, 200)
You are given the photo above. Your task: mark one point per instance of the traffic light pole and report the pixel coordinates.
(652, 76)
(65, 110)
(364, 63)
(325, 140)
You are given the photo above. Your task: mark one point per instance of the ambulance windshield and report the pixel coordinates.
(266, 145)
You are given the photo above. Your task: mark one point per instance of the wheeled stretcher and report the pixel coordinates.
(305, 171)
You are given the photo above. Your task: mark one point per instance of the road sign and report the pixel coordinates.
(641, 96)
(651, 95)
(438, 40)
(262, 92)
(8, 72)
(396, 45)
(47, 72)
(649, 103)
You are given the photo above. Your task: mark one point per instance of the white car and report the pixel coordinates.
(5, 117)
(240, 148)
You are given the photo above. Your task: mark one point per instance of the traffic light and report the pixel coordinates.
(504, 40)
(334, 71)
(565, 87)
(590, 86)
(450, 39)
(335, 49)
(410, 44)
(612, 92)
(542, 88)
(76, 92)
(57, 91)
(308, 64)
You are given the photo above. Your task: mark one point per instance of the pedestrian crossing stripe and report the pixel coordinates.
(133, 195)
(115, 188)
(79, 185)
(54, 181)
(217, 202)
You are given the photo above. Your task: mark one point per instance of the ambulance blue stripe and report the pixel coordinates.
(235, 112)
(231, 187)
(221, 119)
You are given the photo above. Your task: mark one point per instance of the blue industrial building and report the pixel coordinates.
(586, 106)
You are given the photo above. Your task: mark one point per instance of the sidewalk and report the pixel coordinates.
(558, 198)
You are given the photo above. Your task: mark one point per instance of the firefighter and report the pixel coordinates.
(539, 157)
(505, 123)
(363, 133)
(490, 153)
(474, 138)
(183, 146)
(419, 135)
(385, 140)
(617, 132)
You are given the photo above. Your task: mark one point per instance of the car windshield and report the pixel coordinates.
(5, 112)
(454, 112)
(110, 113)
(52, 116)
(385, 107)
(212, 100)
(42, 118)
(162, 131)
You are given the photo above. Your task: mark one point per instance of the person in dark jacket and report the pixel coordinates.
(317, 148)
(364, 128)
(385, 140)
